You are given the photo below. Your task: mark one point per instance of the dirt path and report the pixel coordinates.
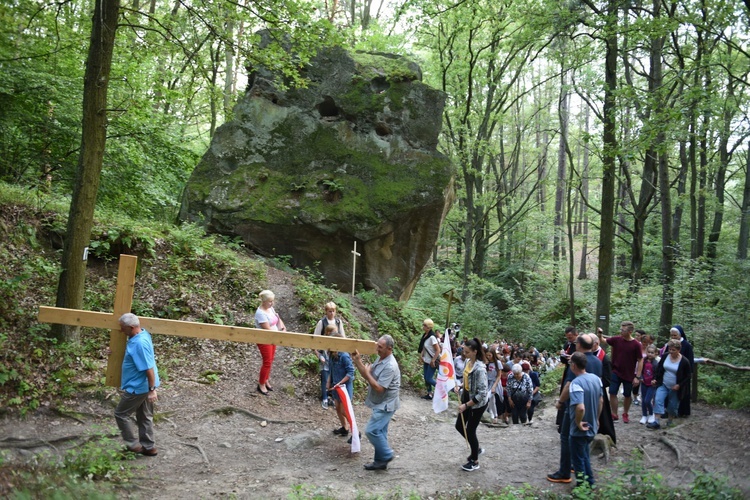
(205, 453)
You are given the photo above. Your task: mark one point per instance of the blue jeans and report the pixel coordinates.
(429, 377)
(579, 456)
(325, 373)
(564, 470)
(647, 395)
(377, 433)
(672, 399)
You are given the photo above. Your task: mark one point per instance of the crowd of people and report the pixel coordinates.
(501, 378)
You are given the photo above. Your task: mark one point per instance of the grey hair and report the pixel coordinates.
(388, 341)
(266, 295)
(130, 319)
(516, 368)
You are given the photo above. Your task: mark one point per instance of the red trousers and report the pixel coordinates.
(267, 352)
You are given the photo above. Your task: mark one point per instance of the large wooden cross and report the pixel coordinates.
(124, 301)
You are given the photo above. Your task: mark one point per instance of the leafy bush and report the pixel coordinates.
(98, 459)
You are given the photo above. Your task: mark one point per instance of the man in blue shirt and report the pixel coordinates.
(585, 405)
(140, 378)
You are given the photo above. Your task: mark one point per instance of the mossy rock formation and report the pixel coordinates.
(352, 157)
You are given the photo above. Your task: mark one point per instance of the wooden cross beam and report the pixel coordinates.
(123, 303)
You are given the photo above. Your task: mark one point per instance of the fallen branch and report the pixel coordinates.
(674, 448)
(197, 447)
(229, 410)
(721, 363)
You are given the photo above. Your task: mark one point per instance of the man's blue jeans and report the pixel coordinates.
(324, 374)
(579, 456)
(377, 433)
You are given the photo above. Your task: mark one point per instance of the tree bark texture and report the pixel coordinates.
(88, 172)
(745, 220)
(609, 141)
(582, 273)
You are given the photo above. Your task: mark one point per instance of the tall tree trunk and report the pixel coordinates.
(650, 174)
(667, 249)
(721, 170)
(571, 253)
(560, 186)
(745, 220)
(609, 165)
(88, 172)
(681, 187)
(667, 302)
(693, 148)
(582, 273)
(703, 172)
(229, 62)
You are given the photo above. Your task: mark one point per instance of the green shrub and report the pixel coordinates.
(98, 459)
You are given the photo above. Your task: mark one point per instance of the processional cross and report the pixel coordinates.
(124, 301)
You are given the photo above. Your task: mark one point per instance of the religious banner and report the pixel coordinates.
(446, 378)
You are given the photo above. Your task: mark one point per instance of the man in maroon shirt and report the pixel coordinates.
(627, 364)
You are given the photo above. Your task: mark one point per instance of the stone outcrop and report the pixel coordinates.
(307, 172)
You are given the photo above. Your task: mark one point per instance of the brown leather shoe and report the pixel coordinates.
(136, 449)
(149, 452)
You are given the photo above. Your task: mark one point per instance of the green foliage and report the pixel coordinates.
(403, 325)
(723, 386)
(98, 459)
(304, 366)
(550, 381)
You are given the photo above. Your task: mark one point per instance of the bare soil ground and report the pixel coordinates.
(227, 440)
(213, 442)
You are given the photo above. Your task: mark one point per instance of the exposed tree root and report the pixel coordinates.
(27, 444)
(229, 410)
(643, 450)
(674, 448)
(74, 415)
(197, 447)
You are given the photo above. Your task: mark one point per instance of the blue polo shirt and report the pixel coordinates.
(139, 357)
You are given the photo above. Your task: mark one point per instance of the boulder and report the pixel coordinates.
(306, 172)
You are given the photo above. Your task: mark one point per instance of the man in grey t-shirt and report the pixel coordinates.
(384, 380)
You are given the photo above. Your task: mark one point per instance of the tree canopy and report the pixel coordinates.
(592, 140)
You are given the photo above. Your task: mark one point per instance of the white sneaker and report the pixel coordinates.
(324, 404)
(651, 419)
(644, 419)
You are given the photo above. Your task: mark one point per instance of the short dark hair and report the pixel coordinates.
(579, 359)
(571, 329)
